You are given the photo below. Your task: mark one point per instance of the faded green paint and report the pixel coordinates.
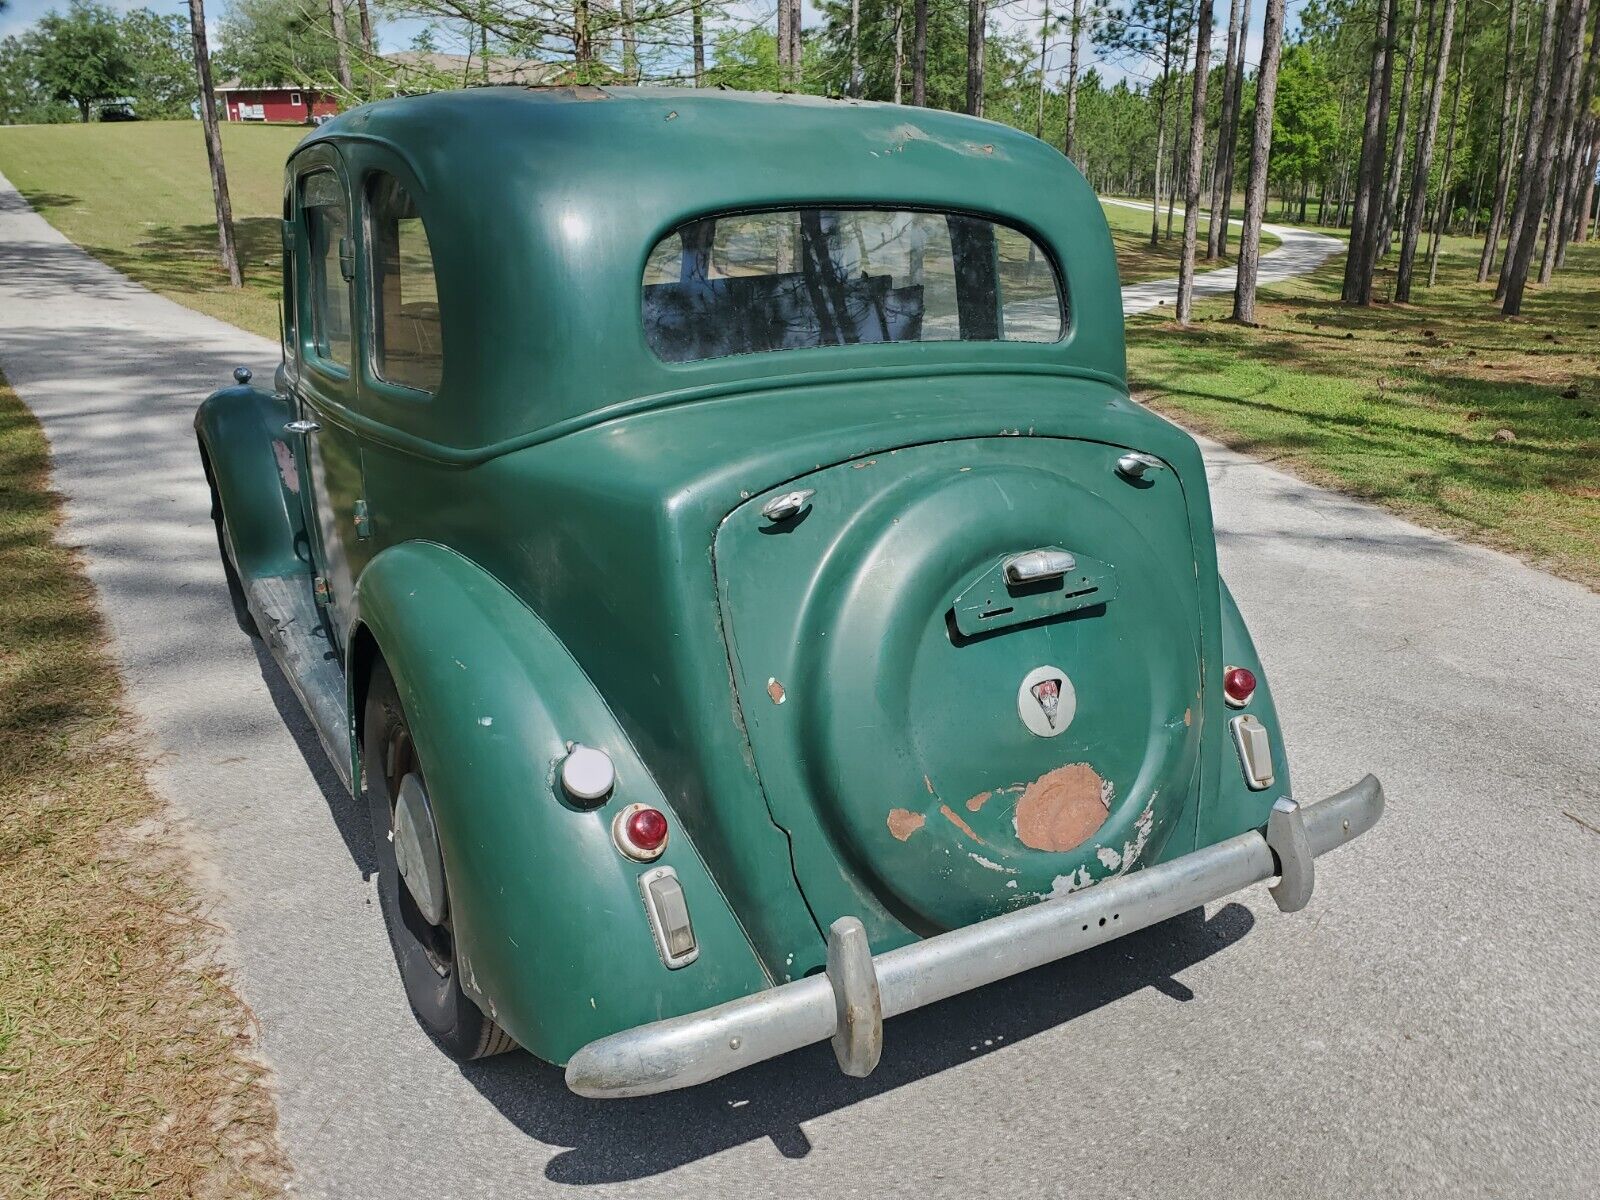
(565, 540)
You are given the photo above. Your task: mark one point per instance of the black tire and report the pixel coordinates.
(241, 606)
(424, 953)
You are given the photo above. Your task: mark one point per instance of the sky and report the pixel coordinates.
(397, 35)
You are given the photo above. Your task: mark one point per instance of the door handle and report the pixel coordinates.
(1035, 565)
(1135, 464)
(302, 427)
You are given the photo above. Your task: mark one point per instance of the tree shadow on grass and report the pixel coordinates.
(178, 258)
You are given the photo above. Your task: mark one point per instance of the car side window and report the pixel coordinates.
(407, 348)
(330, 266)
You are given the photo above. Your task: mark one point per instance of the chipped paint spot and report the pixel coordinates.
(776, 692)
(949, 814)
(978, 801)
(1109, 858)
(928, 783)
(1188, 717)
(871, 462)
(1063, 808)
(287, 470)
(1065, 885)
(990, 864)
(1011, 883)
(903, 822)
(485, 721)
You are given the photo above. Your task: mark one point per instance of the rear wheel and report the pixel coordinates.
(417, 913)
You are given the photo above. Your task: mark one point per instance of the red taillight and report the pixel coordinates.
(1238, 685)
(640, 832)
(647, 829)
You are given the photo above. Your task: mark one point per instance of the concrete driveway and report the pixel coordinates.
(1427, 1027)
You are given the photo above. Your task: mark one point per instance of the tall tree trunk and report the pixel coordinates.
(855, 49)
(919, 53)
(366, 25)
(1255, 195)
(1069, 141)
(1502, 168)
(797, 44)
(1216, 231)
(1417, 201)
(698, 33)
(1563, 77)
(1197, 143)
(977, 20)
(1164, 84)
(1441, 211)
(1369, 174)
(1578, 121)
(899, 51)
(208, 119)
(1397, 153)
(341, 45)
(1172, 172)
(1586, 204)
(1044, 53)
(784, 72)
(1532, 128)
(630, 43)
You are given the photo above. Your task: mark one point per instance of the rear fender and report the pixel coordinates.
(549, 921)
(252, 469)
(1236, 808)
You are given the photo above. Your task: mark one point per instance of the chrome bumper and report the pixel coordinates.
(849, 1002)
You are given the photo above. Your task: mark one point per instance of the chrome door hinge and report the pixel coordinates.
(362, 520)
(321, 590)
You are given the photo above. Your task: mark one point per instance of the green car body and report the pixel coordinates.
(564, 544)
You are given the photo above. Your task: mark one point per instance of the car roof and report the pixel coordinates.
(542, 205)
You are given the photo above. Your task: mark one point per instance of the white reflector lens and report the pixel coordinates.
(668, 911)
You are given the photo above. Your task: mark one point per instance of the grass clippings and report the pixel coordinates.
(126, 1059)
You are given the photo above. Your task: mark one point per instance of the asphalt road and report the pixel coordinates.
(1427, 1027)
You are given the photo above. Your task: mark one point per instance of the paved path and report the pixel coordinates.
(1428, 1027)
(1300, 253)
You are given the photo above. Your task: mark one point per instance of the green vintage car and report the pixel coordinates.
(713, 533)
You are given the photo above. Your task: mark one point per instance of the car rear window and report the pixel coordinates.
(746, 283)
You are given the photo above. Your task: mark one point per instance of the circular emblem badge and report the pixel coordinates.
(1046, 701)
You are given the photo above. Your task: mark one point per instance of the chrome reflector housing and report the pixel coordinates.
(668, 911)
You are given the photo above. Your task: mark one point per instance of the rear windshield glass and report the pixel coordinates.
(751, 282)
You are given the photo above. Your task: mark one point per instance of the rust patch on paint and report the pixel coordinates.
(927, 783)
(954, 818)
(903, 822)
(1062, 808)
(776, 692)
(978, 801)
(1188, 717)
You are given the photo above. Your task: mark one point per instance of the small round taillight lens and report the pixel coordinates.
(640, 832)
(1238, 685)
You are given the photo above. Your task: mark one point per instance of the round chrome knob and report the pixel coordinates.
(243, 375)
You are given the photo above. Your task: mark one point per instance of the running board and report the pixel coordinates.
(294, 631)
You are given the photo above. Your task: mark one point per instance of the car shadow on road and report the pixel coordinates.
(613, 1141)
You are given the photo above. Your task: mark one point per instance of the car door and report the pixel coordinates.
(325, 387)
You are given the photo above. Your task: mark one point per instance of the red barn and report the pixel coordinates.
(279, 102)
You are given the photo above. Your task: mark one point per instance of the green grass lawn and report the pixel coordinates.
(1138, 260)
(138, 196)
(1401, 403)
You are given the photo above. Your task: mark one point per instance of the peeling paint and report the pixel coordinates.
(903, 822)
(989, 863)
(287, 470)
(1065, 885)
(928, 783)
(949, 814)
(1109, 858)
(1063, 808)
(978, 801)
(486, 721)
(776, 692)
(1188, 717)
(1011, 883)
